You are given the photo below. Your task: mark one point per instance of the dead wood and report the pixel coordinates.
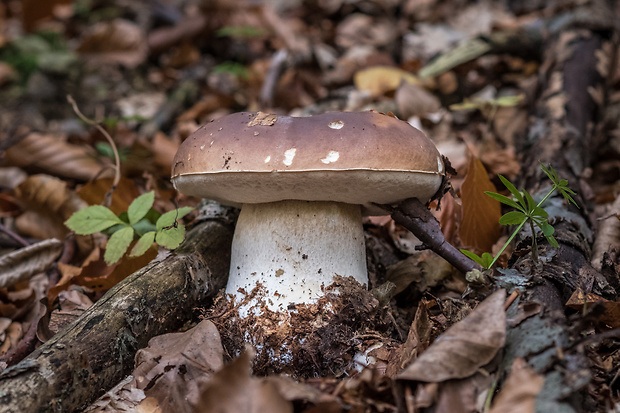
(96, 351)
(569, 103)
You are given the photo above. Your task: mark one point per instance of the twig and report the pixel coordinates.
(414, 216)
(278, 62)
(117, 161)
(13, 235)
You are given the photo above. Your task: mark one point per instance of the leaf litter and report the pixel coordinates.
(430, 350)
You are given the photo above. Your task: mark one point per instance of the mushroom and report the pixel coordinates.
(302, 184)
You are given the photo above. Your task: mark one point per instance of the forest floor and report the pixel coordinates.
(99, 95)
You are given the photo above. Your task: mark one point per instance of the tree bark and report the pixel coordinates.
(97, 350)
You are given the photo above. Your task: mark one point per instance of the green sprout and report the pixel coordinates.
(140, 222)
(526, 211)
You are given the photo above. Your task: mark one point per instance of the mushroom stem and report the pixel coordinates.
(293, 249)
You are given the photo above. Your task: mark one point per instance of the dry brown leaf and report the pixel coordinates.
(117, 41)
(233, 390)
(479, 227)
(126, 191)
(464, 347)
(22, 264)
(519, 391)
(414, 100)
(55, 156)
(417, 340)
(381, 79)
(97, 275)
(164, 150)
(49, 203)
(611, 309)
(174, 366)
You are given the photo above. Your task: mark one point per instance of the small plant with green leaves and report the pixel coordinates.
(141, 222)
(527, 211)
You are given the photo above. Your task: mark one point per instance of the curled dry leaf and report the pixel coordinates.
(22, 264)
(116, 41)
(174, 366)
(414, 100)
(519, 392)
(55, 156)
(480, 227)
(95, 191)
(233, 390)
(610, 309)
(464, 347)
(96, 274)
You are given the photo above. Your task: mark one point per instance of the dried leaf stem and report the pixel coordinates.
(117, 161)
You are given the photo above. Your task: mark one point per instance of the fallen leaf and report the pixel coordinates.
(519, 391)
(22, 264)
(97, 275)
(55, 156)
(479, 227)
(174, 366)
(414, 100)
(95, 191)
(381, 79)
(464, 347)
(48, 204)
(610, 309)
(233, 390)
(417, 341)
(117, 41)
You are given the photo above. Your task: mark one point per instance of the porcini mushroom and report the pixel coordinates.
(302, 184)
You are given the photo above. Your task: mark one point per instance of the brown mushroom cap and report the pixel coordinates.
(351, 157)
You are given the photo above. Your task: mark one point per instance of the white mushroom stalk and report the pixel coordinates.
(293, 250)
(302, 183)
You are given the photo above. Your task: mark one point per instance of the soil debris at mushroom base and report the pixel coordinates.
(308, 341)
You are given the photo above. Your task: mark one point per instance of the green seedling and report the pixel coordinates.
(141, 222)
(234, 68)
(527, 211)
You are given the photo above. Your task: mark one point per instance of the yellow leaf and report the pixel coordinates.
(381, 79)
(480, 227)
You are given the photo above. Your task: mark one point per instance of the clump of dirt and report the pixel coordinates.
(330, 338)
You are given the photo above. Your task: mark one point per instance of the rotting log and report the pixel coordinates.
(97, 350)
(562, 133)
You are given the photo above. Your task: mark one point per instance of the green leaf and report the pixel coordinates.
(169, 218)
(504, 200)
(552, 241)
(547, 229)
(143, 244)
(473, 256)
(540, 212)
(512, 218)
(92, 219)
(140, 206)
(171, 237)
(487, 259)
(514, 191)
(117, 245)
(531, 204)
(143, 226)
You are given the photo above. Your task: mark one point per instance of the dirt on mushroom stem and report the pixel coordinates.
(310, 340)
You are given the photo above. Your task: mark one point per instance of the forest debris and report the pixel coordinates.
(233, 390)
(381, 79)
(117, 41)
(479, 227)
(55, 156)
(519, 391)
(22, 264)
(464, 347)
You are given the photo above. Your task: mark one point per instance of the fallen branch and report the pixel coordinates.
(97, 350)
